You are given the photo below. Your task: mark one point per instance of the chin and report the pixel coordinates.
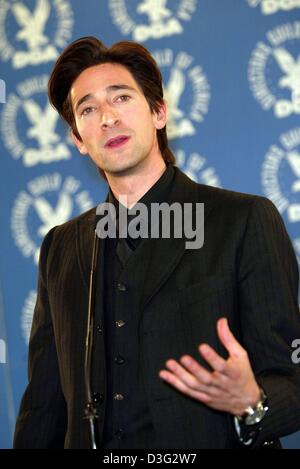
(121, 168)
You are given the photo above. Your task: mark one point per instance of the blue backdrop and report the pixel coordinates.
(231, 73)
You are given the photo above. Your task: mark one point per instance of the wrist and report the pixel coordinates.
(251, 400)
(256, 395)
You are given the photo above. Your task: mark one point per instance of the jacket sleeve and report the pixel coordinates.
(41, 422)
(269, 316)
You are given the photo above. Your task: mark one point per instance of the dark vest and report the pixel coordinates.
(126, 421)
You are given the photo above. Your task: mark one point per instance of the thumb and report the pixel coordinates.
(227, 338)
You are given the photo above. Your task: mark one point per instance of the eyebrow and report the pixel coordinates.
(108, 89)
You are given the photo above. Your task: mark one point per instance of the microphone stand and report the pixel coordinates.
(90, 410)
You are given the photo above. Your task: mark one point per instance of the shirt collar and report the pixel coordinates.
(158, 193)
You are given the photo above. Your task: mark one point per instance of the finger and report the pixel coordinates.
(213, 359)
(218, 364)
(174, 381)
(203, 375)
(190, 380)
(227, 338)
(207, 378)
(180, 372)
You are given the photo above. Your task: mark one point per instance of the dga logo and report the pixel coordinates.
(2, 91)
(48, 201)
(269, 7)
(31, 128)
(2, 351)
(195, 166)
(186, 91)
(274, 70)
(27, 315)
(280, 177)
(151, 19)
(32, 32)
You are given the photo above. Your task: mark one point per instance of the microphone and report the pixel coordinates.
(90, 413)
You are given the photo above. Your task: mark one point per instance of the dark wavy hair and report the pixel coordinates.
(88, 51)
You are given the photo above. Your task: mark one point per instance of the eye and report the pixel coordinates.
(87, 110)
(123, 98)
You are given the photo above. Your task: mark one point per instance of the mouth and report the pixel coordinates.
(116, 142)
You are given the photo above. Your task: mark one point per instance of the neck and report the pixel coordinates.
(135, 184)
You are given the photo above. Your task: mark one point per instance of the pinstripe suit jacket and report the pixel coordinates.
(246, 271)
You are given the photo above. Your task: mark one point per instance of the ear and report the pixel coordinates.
(160, 117)
(79, 144)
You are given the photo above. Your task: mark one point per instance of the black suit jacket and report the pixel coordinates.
(246, 271)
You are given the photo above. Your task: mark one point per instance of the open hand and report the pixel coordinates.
(229, 387)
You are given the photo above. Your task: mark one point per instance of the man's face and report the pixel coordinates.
(114, 119)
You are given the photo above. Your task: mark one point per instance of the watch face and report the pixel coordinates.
(254, 418)
(257, 415)
(254, 415)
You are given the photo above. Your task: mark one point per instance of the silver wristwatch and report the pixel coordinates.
(255, 414)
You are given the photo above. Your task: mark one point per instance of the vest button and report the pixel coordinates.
(121, 287)
(119, 360)
(98, 398)
(120, 323)
(118, 397)
(99, 328)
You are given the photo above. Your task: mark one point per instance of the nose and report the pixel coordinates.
(109, 118)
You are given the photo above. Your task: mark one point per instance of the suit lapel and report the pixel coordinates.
(161, 256)
(84, 245)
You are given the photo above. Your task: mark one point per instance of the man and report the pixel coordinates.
(191, 347)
